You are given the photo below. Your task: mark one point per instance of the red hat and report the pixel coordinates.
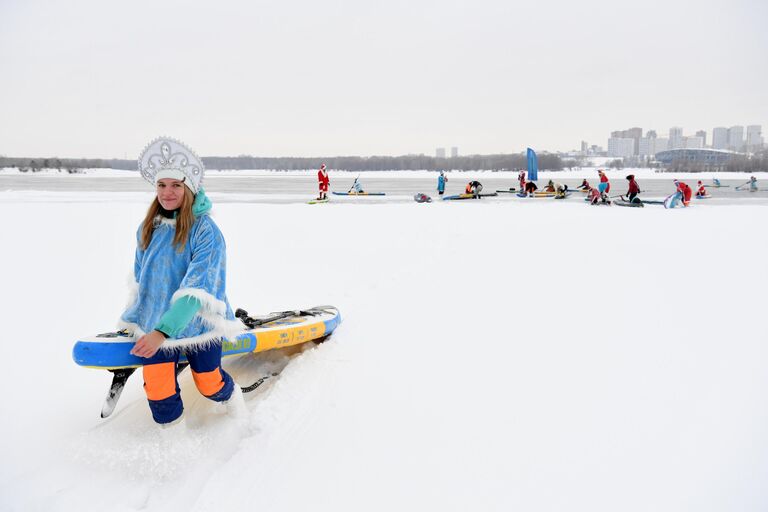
(322, 166)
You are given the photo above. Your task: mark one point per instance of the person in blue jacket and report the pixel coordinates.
(180, 273)
(441, 181)
(356, 188)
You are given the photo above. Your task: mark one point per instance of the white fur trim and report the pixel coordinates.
(159, 219)
(133, 293)
(212, 315)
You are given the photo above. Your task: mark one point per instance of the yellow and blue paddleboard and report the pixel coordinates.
(457, 197)
(111, 351)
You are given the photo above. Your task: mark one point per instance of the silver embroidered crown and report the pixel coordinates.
(165, 157)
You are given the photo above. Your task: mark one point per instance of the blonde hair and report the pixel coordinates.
(184, 221)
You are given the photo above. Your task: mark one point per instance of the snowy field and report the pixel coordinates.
(495, 355)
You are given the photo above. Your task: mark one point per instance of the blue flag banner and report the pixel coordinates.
(533, 165)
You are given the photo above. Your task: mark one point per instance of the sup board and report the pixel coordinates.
(111, 351)
(360, 193)
(624, 202)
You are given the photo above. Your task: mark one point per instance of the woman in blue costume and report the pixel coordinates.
(180, 274)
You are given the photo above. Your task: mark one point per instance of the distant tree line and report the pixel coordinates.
(510, 162)
(505, 162)
(70, 165)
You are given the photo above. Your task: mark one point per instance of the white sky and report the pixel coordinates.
(361, 77)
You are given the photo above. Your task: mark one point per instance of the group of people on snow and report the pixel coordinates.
(595, 195)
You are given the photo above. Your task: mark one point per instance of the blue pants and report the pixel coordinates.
(162, 387)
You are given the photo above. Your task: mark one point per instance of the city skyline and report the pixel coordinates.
(633, 143)
(100, 80)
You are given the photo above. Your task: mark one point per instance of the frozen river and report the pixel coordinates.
(297, 188)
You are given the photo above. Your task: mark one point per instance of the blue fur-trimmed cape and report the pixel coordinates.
(163, 275)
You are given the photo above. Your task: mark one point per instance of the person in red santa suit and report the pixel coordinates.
(685, 192)
(323, 182)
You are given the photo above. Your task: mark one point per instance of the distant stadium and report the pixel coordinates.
(707, 157)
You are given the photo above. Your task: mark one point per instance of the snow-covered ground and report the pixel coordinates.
(519, 355)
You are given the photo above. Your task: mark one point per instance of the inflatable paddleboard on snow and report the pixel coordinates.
(111, 351)
(360, 193)
(457, 197)
(624, 202)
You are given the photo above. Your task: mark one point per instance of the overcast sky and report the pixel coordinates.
(363, 77)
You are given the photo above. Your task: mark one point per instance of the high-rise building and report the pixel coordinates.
(720, 138)
(650, 145)
(754, 137)
(646, 146)
(736, 138)
(440, 152)
(675, 137)
(454, 152)
(584, 147)
(621, 147)
(703, 135)
(633, 133)
(693, 142)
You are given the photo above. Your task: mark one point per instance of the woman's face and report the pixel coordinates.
(170, 193)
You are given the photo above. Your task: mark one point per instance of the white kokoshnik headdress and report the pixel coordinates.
(165, 157)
